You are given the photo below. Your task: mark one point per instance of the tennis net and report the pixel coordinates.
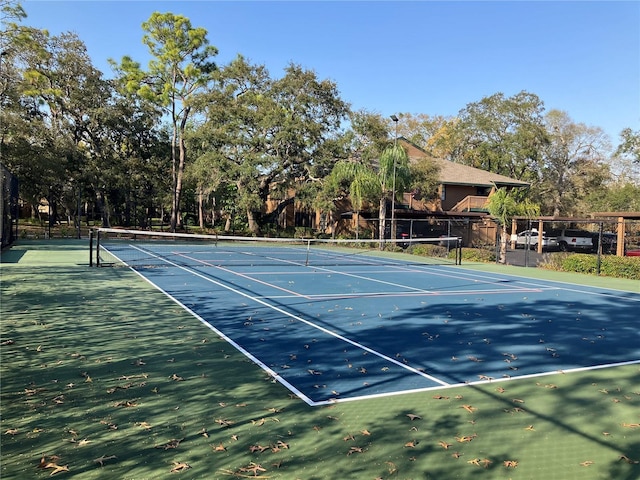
(150, 249)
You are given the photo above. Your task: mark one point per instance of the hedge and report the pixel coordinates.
(610, 265)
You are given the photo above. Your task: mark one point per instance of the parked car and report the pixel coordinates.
(572, 239)
(530, 237)
(633, 253)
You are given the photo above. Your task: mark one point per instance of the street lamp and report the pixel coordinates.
(393, 194)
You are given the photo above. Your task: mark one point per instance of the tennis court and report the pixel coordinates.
(337, 328)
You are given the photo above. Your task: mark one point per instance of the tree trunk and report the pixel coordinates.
(253, 223)
(201, 209)
(102, 207)
(176, 220)
(503, 244)
(382, 220)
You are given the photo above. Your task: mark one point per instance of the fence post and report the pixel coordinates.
(599, 250)
(91, 248)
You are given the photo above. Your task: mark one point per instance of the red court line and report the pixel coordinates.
(329, 296)
(413, 291)
(248, 277)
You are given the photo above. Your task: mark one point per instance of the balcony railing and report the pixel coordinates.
(472, 203)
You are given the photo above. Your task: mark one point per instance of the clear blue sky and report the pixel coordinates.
(393, 56)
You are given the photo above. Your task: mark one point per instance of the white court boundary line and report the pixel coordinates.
(310, 402)
(288, 314)
(409, 291)
(552, 284)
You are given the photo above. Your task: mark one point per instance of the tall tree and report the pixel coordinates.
(574, 165)
(394, 176)
(271, 135)
(61, 94)
(503, 135)
(630, 144)
(181, 68)
(230, 142)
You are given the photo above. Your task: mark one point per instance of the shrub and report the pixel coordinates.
(610, 265)
(427, 250)
(475, 255)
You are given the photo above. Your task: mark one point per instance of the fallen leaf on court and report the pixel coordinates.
(220, 448)
(253, 467)
(413, 416)
(444, 444)
(11, 431)
(170, 444)
(353, 450)
(176, 378)
(348, 438)
(103, 459)
(179, 467)
(530, 428)
(223, 422)
(469, 408)
(510, 463)
(144, 425)
(411, 444)
(586, 463)
(628, 460)
(365, 432)
(474, 461)
(57, 468)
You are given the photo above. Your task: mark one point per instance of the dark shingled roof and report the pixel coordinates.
(452, 173)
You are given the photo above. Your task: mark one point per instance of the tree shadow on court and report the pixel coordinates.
(119, 381)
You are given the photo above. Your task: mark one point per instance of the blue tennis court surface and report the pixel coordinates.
(361, 330)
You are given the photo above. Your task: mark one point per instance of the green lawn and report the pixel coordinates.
(105, 377)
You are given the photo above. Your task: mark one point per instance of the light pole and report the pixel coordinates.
(393, 193)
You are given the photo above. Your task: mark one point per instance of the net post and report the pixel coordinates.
(98, 249)
(91, 248)
(306, 262)
(459, 251)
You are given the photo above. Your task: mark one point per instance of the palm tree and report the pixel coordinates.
(394, 176)
(503, 206)
(356, 180)
(364, 183)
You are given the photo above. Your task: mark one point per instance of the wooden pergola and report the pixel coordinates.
(620, 218)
